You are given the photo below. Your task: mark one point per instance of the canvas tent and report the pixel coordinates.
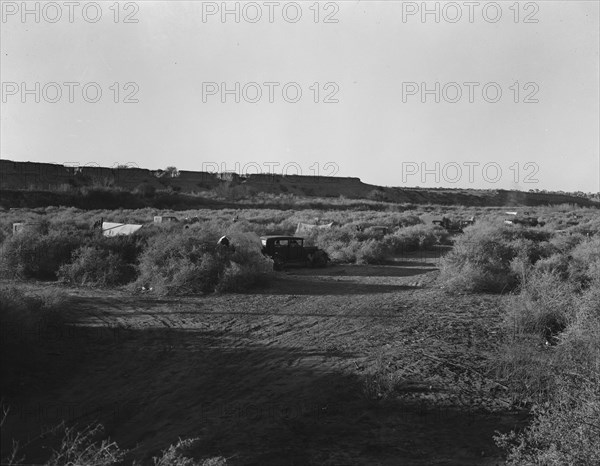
(305, 228)
(119, 229)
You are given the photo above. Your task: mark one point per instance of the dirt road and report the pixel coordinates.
(344, 365)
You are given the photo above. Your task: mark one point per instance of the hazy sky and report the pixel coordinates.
(377, 58)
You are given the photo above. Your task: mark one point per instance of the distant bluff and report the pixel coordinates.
(32, 176)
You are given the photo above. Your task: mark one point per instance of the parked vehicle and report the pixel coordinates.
(515, 219)
(454, 226)
(290, 250)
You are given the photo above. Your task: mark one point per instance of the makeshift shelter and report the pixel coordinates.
(306, 228)
(380, 230)
(38, 227)
(119, 229)
(165, 219)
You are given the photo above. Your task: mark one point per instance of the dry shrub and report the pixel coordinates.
(87, 447)
(557, 264)
(23, 315)
(479, 261)
(93, 266)
(342, 252)
(585, 264)
(247, 266)
(565, 243)
(579, 344)
(382, 381)
(564, 430)
(24, 320)
(566, 413)
(534, 320)
(181, 454)
(407, 220)
(544, 306)
(415, 237)
(369, 246)
(493, 258)
(372, 251)
(32, 255)
(189, 262)
(527, 369)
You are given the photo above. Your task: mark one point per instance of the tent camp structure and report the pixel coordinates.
(305, 228)
(165, 219)
(119, 229)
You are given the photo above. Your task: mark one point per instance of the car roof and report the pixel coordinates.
(280, 237)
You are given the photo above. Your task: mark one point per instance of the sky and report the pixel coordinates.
(493, 95)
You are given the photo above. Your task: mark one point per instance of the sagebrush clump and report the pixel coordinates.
(25, 320)
(40, 256)
(493, 258)
(551, 360)
(190, 262)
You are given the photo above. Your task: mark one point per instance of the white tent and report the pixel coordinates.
(119, 229)
(305, 228)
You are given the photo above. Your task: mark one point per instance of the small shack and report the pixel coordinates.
(21, 227)
(379, 229)
(165, 219)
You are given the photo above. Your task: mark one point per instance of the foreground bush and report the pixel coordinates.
(416, 237)
(493, 258)
(104, 262)
(87, 447)
(534, 320)
(564, 431)
(93, 266)
(29, 312)
(24, 319)
(545, 306)
(347, 245)
(189, 262)
(479, 261)
(180, 455)
(577, 261)
(561, 378)
(33, 255)
(247, 266)
(585, 265)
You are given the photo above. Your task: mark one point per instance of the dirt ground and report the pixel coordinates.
(345, 365)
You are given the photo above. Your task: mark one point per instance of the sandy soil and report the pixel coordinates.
(281, 376)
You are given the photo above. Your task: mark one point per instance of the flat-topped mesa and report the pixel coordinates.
(24, 175)
(17, 177)
(299, 179)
